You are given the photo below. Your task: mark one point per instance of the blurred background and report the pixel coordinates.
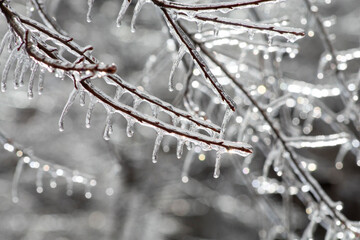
(134, 198)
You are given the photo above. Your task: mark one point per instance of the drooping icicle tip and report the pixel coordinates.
(88, 14)
(217, 165)
(158, 140)
(122, 12)
(137, 10)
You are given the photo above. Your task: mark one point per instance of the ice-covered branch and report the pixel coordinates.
(207, 143)
(183, 39)
(224, 6)
(291, 34)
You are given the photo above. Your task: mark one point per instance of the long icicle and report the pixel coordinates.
(7, 67)
(68, 104)
(159, 137)
(88, 14)
(217, 165)
(15, 183)
(34, 68)
(137, 10)
(226, 119)
(90, 109)
(122, 11)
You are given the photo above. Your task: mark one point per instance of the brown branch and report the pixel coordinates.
(180, 34)
(117, 79)
(249, 25)
(155, 123)
(35, 52)
(211, 6)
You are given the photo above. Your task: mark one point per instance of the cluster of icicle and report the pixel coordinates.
(184, 127)
(201, 14)
(45, 169)
(23, 63)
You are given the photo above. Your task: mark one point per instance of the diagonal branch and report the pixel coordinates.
(187, 42)
(214, 143)
(224, 6)
(73, 47)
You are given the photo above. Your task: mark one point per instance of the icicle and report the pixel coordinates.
(82, 98)
(3, 41)
(39, 183)
(69, 186)
(227, 116)
(90, 6)
(108, 126)
(90, 109)
(278, 165)
(41, 81)
(122, 11)
(216, 30)
(187, 163)
(217, 165)
(159, 137)
(130, 127)
(180, 55)
(17, 72)
(12, 41)
(15, 183)
(25, 66)
(68, 104)
(274, 153)
(180, 146)
(344, 149)
(7, 67)
(34, 68)
(137, 10)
